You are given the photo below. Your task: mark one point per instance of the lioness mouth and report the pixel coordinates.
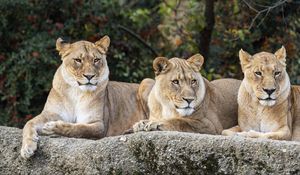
(188, 107)
(266, 99)
(86, 84)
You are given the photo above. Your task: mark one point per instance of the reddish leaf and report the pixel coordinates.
(59, 25)
(28, 117)
(35, 54)
(2, 58)
(2, 81)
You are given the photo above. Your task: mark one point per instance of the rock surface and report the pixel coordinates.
(150, 153)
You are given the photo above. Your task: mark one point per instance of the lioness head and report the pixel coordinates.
(179, 85)
(265, 75)
(84, 63)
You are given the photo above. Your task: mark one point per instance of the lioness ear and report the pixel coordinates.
(245, 58)
(61, 46)
(103, 43)
(281, 54)
(161, 65)
(196, 61)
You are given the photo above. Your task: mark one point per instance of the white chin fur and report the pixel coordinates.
(267, 103)
(185, 112)
(87, 87)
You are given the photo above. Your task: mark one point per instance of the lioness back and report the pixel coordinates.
(124, 108)
(296, 112)
(227, 92)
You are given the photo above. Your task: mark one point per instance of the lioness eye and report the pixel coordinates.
(277, 73)
(175, 82)
(194, 81)
(77, 60)
(258, 73)
(96, 60)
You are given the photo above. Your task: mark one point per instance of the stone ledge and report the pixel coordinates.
(150, 153)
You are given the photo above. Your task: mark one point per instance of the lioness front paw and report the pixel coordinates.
(153, 126)
(146, 125)
(242, 134)
(253, 134)
(50, 127)
(250, 134)
(140, 126)
(227, 132)
(28, 148)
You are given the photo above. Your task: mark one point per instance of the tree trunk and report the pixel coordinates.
(205, 34)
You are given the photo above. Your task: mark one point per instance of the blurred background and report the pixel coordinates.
(139, 30)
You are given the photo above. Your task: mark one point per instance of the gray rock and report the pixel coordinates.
(150, 153)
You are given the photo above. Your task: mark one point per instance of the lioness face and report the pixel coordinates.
(265, 75)
(84, 63)
(179, 83)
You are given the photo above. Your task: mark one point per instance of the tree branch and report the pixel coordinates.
(130, 32)
(266, 9)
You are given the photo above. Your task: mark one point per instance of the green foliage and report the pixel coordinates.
(269, 32)
(28, 58)
(138, 29)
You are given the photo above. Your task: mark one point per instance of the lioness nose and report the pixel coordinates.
(188, 100)
(269, 91)
(89, 77)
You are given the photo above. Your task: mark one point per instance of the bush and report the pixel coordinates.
(29, 59)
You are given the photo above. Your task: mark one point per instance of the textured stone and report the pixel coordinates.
(150, 153)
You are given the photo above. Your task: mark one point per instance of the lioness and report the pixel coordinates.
(268, 105)
(181, 99)
(82, 102)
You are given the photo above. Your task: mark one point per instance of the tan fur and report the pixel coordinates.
(263, 114)
(75, 108)
(213, 105)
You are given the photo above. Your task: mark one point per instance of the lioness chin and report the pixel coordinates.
(181, 99)
(82, 101)
(268, 106)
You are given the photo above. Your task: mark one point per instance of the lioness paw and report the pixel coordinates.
(146, 125)
(50, 127)
(242, 134)
(140, 126)
(227, 132)
(28, 149)
(153, 126)
(253, 134)
(250, 134)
